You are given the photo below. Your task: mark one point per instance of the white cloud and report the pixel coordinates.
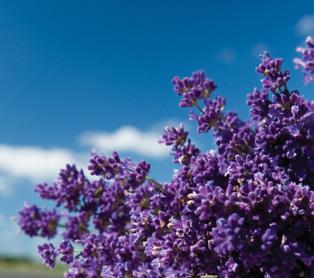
(126, 139)
(227, 55)
(33, 163)
(305, 26)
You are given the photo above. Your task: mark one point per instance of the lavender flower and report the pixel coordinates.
(307, 61)
(228, 235)
(107, 167)
(210, 115)
(193, 88)
(36, 222)
(243, 210)
(66, 251)
(48, 254)
(270, 68)
(174, 136)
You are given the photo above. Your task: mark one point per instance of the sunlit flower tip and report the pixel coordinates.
(309, 41)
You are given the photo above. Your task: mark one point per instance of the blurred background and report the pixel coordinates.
(82, 75)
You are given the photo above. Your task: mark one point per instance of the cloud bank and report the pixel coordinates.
(126, 139)
(33, 163)
(36, 164)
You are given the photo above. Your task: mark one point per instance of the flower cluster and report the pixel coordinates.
(37, 222)
(245, 209)
(307, 61)
(275, 79)
(193, 88)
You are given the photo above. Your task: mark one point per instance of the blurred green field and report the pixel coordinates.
(24, 267)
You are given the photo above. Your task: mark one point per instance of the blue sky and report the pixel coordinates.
(77, 75)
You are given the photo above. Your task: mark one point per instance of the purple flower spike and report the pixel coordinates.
(307, 61)
(210, 115)
(174, 136)
(49, 254)
(103, 166)
(66, 251)
(193, 88)
(275, 79)
(36, 222)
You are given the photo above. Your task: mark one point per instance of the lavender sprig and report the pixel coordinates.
(245, 209)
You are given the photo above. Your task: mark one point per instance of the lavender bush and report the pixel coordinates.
(245, 209)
